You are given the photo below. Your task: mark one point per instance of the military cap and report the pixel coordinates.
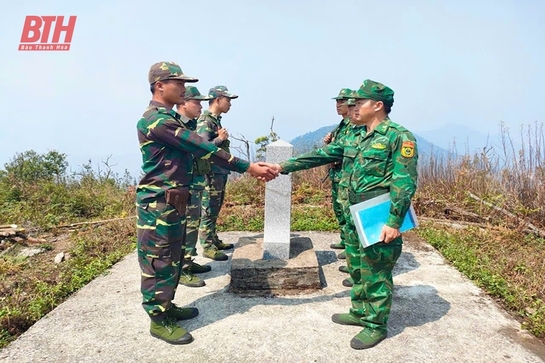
(344, 94)
(220, 91)
(167, 70)
(351, 102)
(192, 93)
(375, 91)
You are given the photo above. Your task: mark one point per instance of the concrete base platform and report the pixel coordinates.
(251, 275)
(437, 315)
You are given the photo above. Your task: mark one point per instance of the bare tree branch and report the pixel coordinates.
(246, 143)
(108, 171)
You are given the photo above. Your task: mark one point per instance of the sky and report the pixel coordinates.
(468, 63)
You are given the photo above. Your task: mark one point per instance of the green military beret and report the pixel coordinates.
(375, 91)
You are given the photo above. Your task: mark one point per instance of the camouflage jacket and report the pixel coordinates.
(198, 181)
(168, 149)
(208, 125)
(385, 160)
(338, 136)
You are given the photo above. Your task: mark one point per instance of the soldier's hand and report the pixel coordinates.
(388, 234)
(262, 171)
(276, 167)
(223, 134)
(327, 138)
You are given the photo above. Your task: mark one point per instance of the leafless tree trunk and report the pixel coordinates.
(246, 145)
(273, 136)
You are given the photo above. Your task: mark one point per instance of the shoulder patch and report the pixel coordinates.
(407, 149)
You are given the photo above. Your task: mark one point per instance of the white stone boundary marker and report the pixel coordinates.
(276, 239)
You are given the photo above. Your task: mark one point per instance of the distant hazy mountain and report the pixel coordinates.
(501, 148)
(461, 139)
(314, 139)
(310, 140)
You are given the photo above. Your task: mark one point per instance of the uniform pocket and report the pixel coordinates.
(168, 227)
(349, 157)
(382, 254)
(158, 227)
(374, 162)
(201, 166)
(350, 152)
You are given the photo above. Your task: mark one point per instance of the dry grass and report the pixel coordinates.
(31, 287)
(501, 255)
(509, 179)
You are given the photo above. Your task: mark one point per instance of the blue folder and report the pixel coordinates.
(370, 216)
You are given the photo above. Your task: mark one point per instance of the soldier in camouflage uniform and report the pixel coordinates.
(351, 103)
(189, 111)
(342, 188)
(337, 135)
(210, 128)
(162, 194)
(379, 158)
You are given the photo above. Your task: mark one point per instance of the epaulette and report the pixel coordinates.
(338, 126)
(150, 111)
(207, 117)
(153, 110)
(398, 127)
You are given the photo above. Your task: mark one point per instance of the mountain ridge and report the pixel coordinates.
(314, 139)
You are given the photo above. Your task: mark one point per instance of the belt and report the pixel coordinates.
(354, 197)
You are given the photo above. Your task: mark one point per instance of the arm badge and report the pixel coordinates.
(407, 149)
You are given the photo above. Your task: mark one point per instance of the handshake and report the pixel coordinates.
(264, 171)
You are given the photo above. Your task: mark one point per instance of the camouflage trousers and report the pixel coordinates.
(371, 269)
(193, 218)
(339, 196)
(160, 236)
(212, 200)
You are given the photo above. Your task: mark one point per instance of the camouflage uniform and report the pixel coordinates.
(384, 161)
(337, 136)
(213, 195)
(200, 169)
(342, 193)
(167, 148)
